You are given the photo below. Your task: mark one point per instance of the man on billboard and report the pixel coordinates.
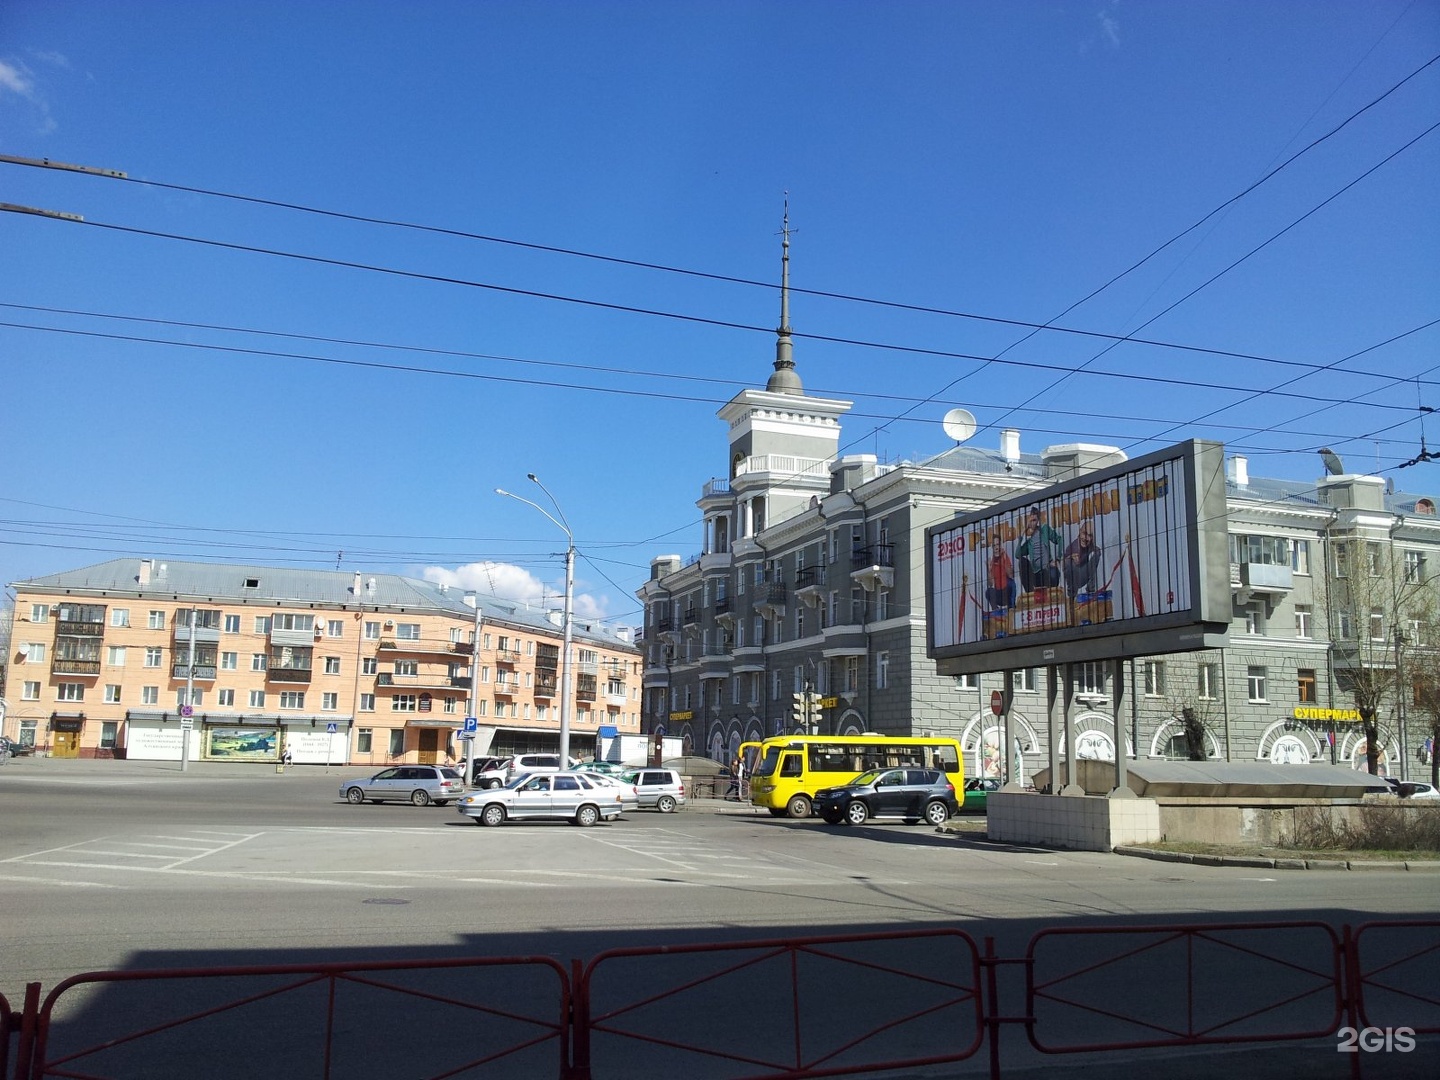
(1039, 554)
(1081, 561)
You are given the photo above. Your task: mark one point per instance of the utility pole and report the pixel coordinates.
(186, 709)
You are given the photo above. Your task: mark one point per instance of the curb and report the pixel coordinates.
(1420, 866)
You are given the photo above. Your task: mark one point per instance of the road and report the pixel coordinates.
(118, 865)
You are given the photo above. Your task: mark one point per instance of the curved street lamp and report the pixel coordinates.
(564, 526)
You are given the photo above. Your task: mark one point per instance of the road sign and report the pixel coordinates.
(997, 702)
(471, 725)
(467, 735)
(187, 710)
(186, 724)
(331, 728)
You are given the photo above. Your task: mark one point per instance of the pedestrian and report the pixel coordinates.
(286, 758)
(733, 791)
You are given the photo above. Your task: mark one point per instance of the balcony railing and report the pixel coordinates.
(507, 656)
(874, 555)
(290, 675)
(546, 687)
(64, 666)
(80, 629)
(203, 672)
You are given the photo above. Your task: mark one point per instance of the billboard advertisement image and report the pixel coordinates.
(1118, 550)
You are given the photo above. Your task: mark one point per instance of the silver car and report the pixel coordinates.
(661, 789)
(565, 796)
(418, 784)
(629, 797)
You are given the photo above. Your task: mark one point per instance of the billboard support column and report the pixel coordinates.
(1007, 706)
(1072, 767)
(1122, 783)
(1052, 699)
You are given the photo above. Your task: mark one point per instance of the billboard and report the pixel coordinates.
(1136, 548)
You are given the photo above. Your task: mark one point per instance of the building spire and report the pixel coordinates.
(784, 380)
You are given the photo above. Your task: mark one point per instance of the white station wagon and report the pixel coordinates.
(563, 796)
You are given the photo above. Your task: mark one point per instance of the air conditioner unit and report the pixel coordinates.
(389, 625)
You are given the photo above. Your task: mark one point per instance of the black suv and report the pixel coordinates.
(910, 794)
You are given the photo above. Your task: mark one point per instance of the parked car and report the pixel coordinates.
(659, 789)
(489, 771)
(566, 796)
(629, 798)
(609, 768)
(526, 764)
(1413, 789)
(910, 794)
(418, 784)
(977, 790)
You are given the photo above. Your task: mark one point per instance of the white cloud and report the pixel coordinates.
(16, 81)
(516, 583)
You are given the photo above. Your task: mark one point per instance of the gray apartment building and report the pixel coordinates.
(811, 580)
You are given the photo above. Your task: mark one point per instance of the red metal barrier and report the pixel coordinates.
(791, 1008)
(1395, 986)
(303, 1020)
(778, 1009)
(1176, 986)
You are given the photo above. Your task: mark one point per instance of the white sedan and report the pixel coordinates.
(565, 796)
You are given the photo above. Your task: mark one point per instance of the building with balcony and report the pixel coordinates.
(811, 578)
(139, 658)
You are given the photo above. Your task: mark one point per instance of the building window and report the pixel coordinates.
(1269, 550)
(397, 742)
(882, 670)
(1090, 678)
(119, 617)
(112, 693)
(372, 631)
(30, 691)
(403, 703)
(450, 707)
(150, 695)
(1344, 625)
(232, 624)
(225, 698)
(1255, 618)
(257, 661)
(257, 699)
(882, 604)
(153, 656)
(292, 699)
(1375, 559)
(1414, 567)
(1304, 615)
(1024, 680)
(1341, 553)
(407, 667)
(1207, 680)
(197, 697)
(367, 702)
(229, 661)
(262, 624)
(1377, 624)
(1305, 678)
(364, 739)
(1255, 683)
(115, 655)
(39, 613)
(332, 665)
(407, 631)
(967, 682)
(335, 628)
(1154, 678)
(70, 691)
(329, 702)
(1300, 557)
(108, 729)
(369, 666)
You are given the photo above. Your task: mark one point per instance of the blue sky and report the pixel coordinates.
(194, 375)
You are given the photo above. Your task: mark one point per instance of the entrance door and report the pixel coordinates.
(429, 746)
(67, 744)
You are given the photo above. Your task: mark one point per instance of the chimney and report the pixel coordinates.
(1239, 471)
(1010, 444)
(355, 586)
(144, 573)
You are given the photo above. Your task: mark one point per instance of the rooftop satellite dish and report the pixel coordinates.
(1333, 465)
(959, 424)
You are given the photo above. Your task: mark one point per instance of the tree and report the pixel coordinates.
(1422, 675)
(1374, 594)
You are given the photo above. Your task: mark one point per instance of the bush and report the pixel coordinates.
(1378, 826)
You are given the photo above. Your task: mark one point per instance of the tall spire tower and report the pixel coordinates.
(784, 380)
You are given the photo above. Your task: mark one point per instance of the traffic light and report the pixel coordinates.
(799, 710)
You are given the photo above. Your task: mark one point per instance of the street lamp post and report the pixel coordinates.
(565, 690)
